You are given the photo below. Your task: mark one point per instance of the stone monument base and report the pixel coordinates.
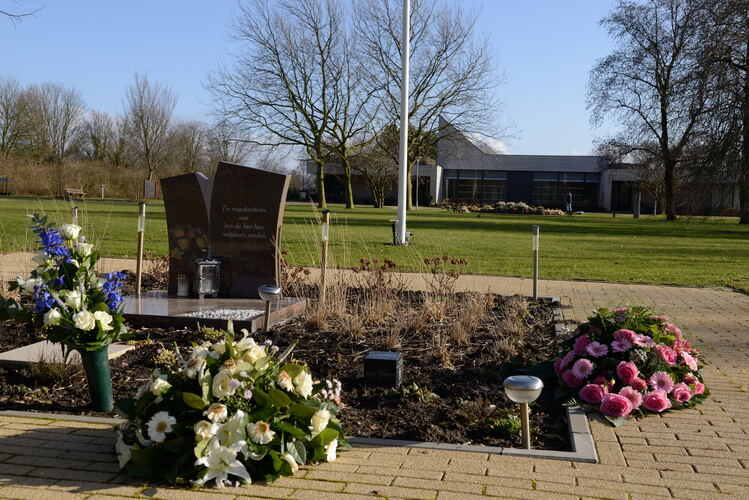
(157, 310)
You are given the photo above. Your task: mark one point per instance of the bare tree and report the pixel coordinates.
(729, 44)
(453, 72)
(190, 141)
(225, 142)
(280, 87)
(378, 167)
(353, 108)
(148, 110)
(656, 83)
(98, 133)
(15, 124)
(57, 114)
(17, 17)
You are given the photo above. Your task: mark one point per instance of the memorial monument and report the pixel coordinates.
(223, 235)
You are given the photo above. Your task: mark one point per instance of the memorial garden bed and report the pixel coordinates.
(457, 348)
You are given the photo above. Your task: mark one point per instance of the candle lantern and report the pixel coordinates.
(206, 278)
(384, 369)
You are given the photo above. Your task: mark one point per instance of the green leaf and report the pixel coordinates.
(292, 369)
(290, 429)
(617, 421)
(260, 397)
(325, 437)
(278, 398)
(302, 410)
(200, 447)
(298, 451)
(193, 400)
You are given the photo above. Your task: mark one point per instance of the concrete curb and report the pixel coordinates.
(581, 438)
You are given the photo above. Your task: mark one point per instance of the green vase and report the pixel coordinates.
(96, 367)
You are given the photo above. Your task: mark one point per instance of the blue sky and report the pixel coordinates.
(545, 47)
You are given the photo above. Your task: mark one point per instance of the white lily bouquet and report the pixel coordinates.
(232, 412)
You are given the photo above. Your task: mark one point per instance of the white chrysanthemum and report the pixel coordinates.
(291, 461)
(52, 317)
(105, 319)
(73, 299)
(303, 384)
(222, 461)
(160, 424)
(193, 366)
(29, 284)
(216, 413)
(260, 432)
(319, 421)
(204, 430)
(84, 320)
(284, 381)
(331, 451)
(70, 231)
(224, 385)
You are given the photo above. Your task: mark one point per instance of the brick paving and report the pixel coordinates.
(692, 454)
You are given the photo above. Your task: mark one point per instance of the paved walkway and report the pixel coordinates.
(697, 453)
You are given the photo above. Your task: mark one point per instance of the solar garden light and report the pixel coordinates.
(524, 389)
(325, 229)
(268, 293)
(75, 215)
(139, 253)
(536, 230)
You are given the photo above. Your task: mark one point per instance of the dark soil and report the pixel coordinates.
(451, 393)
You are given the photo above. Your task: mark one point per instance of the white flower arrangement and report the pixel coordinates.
(232, 412)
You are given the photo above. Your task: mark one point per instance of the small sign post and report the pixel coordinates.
(536, 230)
(325, 228)
(139, 262)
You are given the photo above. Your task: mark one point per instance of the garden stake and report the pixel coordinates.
(535, 260)
(141, 230)
(324, 259)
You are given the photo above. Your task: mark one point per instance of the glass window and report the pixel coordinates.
(545, 176)
(475, 190)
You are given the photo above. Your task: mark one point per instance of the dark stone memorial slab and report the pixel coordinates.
(186, 201)
(234, 217)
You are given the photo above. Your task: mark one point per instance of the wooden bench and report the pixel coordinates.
(75, 192)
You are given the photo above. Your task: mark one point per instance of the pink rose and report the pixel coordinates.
(639, 384)
(699, 387)
(592, 393)
(627, 335)
(615, 405)
(634, 396)
(681, 393)
(656, 401)
(627, 371)
(570, 379)
(667, 354)
(674, 330)
(581, 343)
(689, 378)
(689, 360)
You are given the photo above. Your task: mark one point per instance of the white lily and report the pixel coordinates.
(221, 461)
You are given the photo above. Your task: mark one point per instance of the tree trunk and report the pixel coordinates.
(744, 173)
(669, 167)
(347, 174)
(321, 203)
(60, 178)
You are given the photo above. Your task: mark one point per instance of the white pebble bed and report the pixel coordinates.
(235, 314)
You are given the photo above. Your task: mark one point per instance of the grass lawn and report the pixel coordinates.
(714, 252)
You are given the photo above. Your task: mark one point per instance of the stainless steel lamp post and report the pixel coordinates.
(524, 389)
(268, 293)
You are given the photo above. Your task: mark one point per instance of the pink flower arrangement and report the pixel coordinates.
(629, 361)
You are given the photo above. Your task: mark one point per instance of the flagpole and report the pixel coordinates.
(403, 167)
